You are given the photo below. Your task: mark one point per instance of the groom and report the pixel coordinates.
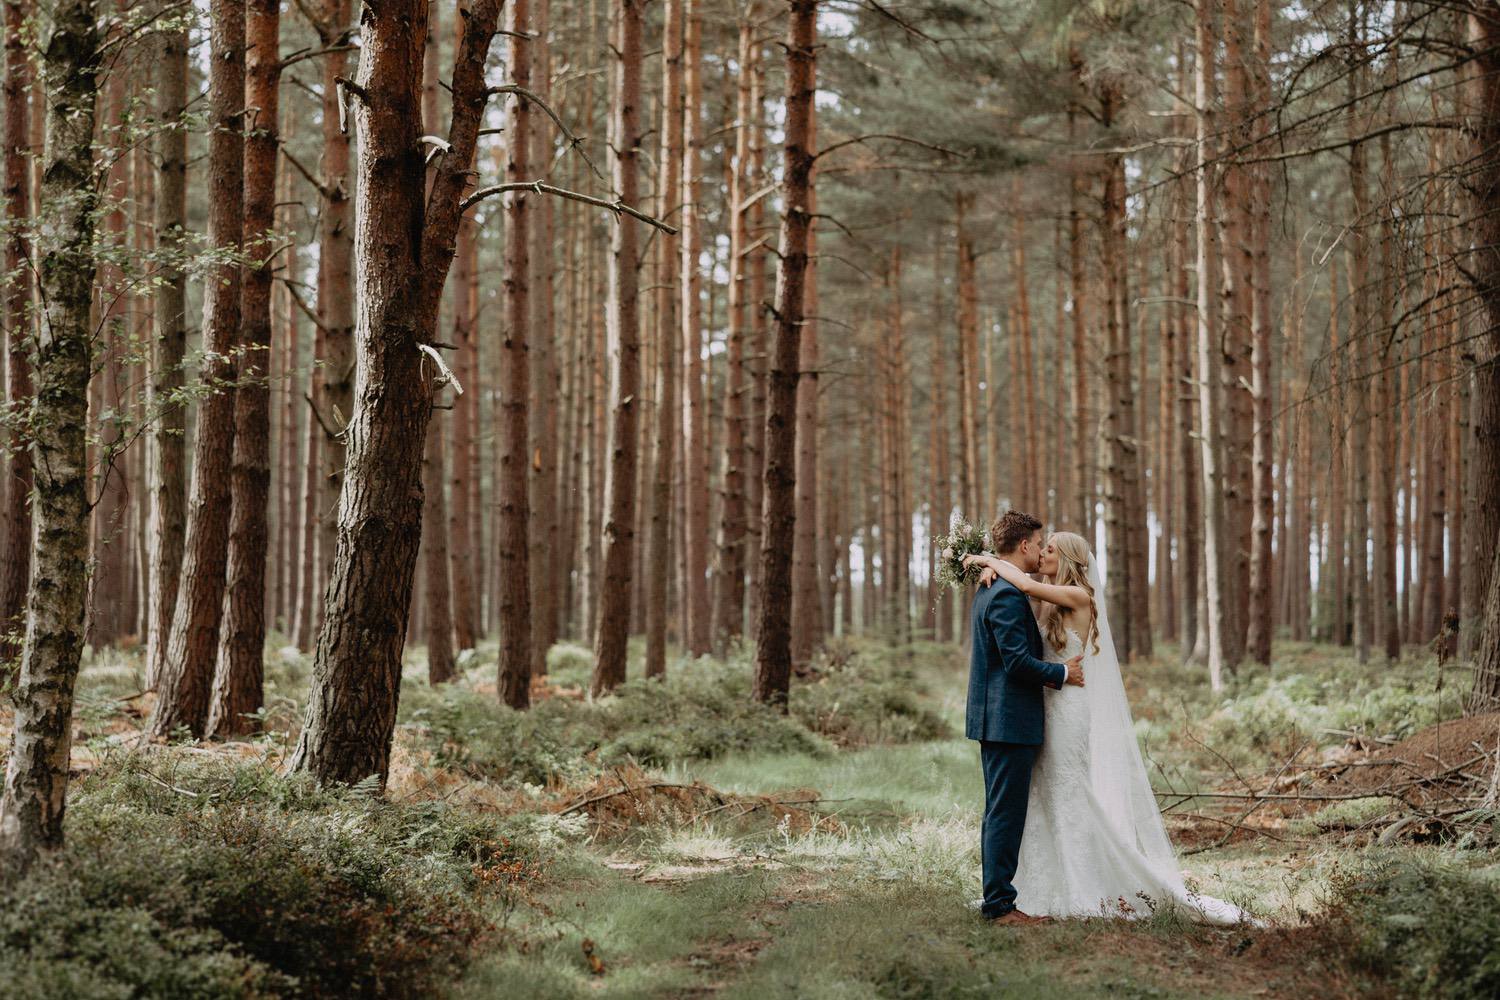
(1006, 677)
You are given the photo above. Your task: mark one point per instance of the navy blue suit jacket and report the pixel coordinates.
(1006, 669)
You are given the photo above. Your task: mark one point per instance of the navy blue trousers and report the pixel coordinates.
(1007, 785)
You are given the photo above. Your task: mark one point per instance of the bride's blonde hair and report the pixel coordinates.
(1072, 571)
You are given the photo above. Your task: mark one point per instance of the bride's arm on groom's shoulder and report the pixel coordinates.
(1073, 598)
(1067, 597)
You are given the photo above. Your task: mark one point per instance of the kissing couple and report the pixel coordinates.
(1071, 827)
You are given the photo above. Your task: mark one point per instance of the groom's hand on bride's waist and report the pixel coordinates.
(1075, 670)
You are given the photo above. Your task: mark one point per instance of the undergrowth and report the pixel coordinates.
(701, 711)
(1425, 921)
(208, 879)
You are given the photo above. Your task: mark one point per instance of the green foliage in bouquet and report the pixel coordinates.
(962, 539)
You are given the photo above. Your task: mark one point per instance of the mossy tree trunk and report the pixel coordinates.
(36, 776)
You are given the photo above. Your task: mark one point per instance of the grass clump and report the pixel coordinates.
(1425, 922)
(224, 880)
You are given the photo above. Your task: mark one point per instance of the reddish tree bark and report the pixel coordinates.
(16, 569)
(242, 642)
(335, 404)
(729, 595)
(773, 655)
(192, 645)
(404, 249)
(697, 607)
(616, 585)
(668, 415)
(807, 617)
(513, 470)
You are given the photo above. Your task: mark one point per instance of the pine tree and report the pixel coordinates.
(773, 656)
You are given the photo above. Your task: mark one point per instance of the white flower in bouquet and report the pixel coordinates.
(963, 539)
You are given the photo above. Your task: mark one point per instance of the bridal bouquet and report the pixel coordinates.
(962, 539)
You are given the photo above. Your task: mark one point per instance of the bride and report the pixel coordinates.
(1094, 842)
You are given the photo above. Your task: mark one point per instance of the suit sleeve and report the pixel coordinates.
(1005, 621)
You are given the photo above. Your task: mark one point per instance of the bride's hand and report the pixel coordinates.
(995, 567)
(986, 562)
(1013, 574)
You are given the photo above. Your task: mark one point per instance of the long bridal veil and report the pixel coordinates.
(1117, 772)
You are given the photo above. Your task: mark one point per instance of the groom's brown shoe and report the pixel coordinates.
(1015, 918)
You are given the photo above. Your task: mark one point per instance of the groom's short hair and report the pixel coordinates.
(1013, 528)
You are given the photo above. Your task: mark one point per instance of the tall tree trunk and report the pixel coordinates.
(697, 607)
(1031, 498)
(729, 596)
(773, 655)
(404, 248)
(465, 542)
(192, 646)
(237, 690)
(110, 508)
(969, 473)
(513, 471)
(308, 591)
(1189, 450)
(900, 519)
(546, 569)
(1082, 411)
(1296, 552)
(288, 556)
(1482, 183)
(1337, 572)
(1383, 457)
(1128, 582)
(942, 502)
(1236, 296)
(16, 569)
(36, 774)
(807, 617)
(755, 265)
(438, 616)
(668, 415)
(336, 222)
(1260, 611)
(1214, 536)
(616, 587)
(1163, 484)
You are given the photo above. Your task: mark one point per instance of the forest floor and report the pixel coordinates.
(675, 841)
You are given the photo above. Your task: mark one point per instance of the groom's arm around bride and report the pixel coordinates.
(1007, 673)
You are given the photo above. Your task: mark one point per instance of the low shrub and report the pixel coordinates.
(227, 881)
(697, 713)
(1424, 922)
(864, 698)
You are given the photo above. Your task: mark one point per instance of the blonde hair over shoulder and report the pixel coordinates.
(1072, 571)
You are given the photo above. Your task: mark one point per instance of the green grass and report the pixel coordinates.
(931, 779)
(643, 935)
(875, 907)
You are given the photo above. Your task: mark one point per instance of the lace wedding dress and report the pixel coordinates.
(1095, 844)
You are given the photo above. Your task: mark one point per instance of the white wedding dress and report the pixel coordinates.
(1094, 843)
